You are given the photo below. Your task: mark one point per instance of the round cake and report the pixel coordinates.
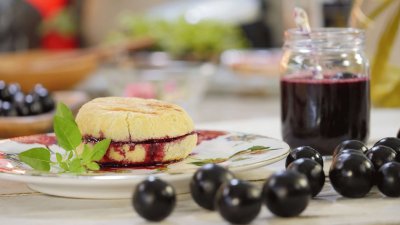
(143, 132)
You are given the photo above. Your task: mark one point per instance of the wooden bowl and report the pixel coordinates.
(56, 71)
(29, 125)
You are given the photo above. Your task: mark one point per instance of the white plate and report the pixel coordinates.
(229, 149)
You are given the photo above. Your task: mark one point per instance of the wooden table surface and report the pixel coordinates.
(19, 205)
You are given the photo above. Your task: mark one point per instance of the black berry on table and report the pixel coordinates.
(350, 144)
(388, 179)
(391, 142)
(205, 183)
(312, 170)
(352, 175)
(304, 152)
(287, 193)
(238, 202)
(380, 155)
(154, 199)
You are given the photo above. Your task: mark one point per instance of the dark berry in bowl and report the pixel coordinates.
(352, 175)
(3, 87)
(287, 193)
(205, 183)
(312, 170)
(388, 179)
(154, 199)
(398, 134)
(391, 142)
(238, 202)
(304, 152)
(19, 103)
(45, 98)
(344, 75)
(380, 155)
(350, 144)
(33, 103)
(13, 89)
(8, 109)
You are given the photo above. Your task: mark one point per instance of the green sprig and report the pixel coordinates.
(69, 138)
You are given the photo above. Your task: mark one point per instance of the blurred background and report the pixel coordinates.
(217, 58)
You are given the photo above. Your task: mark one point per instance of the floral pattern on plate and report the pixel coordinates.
(235, 151)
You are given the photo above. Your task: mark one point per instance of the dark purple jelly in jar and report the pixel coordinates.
(325, 95)
(323, 113)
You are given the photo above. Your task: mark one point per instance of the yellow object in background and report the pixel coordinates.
(381, 19)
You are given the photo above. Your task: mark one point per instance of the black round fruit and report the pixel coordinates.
(349, 151)
(45, 98)
(391, 142)
(8, 109)
(304, 152)
(13, 89)
(287, 193)
(32, 101)
(350, 144)
(238, 202)
(205, 183)
(388, 179)
(312, 170)
(380, 155)
(3, 87)
(352, 175)
(154, 199)
(398, 134)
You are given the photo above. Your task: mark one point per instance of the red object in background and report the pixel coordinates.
(48, 8)
(54, 39)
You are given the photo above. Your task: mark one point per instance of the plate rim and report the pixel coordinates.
(118, 179)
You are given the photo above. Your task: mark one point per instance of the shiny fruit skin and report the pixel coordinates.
(352, 175)
(391, 142)
(32, 101)
(313, 171)
(238, 202)
(8, 109)
(380, 155)
(349, 151)
(205, 183)
(388, 179)
(287, 193)
(304, 152)
(350, 144)
(154, 199)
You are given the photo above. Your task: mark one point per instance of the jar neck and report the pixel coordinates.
(325, 39)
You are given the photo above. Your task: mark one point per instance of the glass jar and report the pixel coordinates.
(325, 96)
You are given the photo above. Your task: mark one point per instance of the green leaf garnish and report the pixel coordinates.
(64, 112)
(68, 135)
(37, 158)
(100, 149)
(69, 138)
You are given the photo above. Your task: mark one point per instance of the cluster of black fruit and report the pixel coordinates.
(213, 187)
(354, 170)
(13, 102)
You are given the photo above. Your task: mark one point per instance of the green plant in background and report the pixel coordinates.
(385, 77)
(204, 40)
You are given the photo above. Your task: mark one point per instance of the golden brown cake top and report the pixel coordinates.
(132, 119)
